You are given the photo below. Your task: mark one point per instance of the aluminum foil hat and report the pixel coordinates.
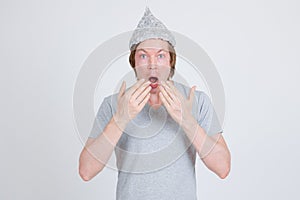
(150, 27)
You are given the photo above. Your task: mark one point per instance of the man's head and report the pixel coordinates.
(152, 53)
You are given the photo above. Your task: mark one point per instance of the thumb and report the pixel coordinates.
(192, 94)
(122, 89)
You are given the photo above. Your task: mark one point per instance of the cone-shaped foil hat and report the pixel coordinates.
(150, 27)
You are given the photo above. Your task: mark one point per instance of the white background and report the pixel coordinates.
(254, 45)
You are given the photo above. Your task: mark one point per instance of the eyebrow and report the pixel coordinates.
(146, 51)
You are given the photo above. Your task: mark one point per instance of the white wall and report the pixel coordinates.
(254, 45)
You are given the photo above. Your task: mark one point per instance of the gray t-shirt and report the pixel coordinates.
(155, 159)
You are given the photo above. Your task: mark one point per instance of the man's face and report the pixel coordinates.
(152, 61)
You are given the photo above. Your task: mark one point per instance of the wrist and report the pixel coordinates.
(120, 122)
(189, 124)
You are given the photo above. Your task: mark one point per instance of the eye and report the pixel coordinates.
(161, 55)
(143, 56)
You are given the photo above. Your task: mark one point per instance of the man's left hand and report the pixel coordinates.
(179, 107)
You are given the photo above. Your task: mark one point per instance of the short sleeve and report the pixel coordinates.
(102, 118)
(207, 117)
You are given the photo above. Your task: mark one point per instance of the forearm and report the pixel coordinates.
(211, 149)
(96, 154)
(219, 159)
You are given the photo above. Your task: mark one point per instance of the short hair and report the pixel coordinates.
(172, 58)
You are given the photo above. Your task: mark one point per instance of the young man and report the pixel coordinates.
(156, 127)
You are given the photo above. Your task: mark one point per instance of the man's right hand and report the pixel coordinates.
(131, 102)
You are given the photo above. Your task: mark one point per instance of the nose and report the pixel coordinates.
(152, 62)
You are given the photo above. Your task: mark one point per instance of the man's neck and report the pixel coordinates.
(154, 100)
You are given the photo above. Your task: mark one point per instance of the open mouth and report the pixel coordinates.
(154, 82)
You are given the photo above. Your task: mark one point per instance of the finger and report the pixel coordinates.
(140, 90)
(145, 100)
(165, 95)
(140, 98)
(174, 89)
(192, 94)
(122, 89)
(165, 102)
(169, 91)
(135, 86)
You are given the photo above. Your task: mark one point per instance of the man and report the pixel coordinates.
(156, 127)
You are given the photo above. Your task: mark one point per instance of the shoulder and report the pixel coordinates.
(109, 99)
(200, 96)
(109, 103)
